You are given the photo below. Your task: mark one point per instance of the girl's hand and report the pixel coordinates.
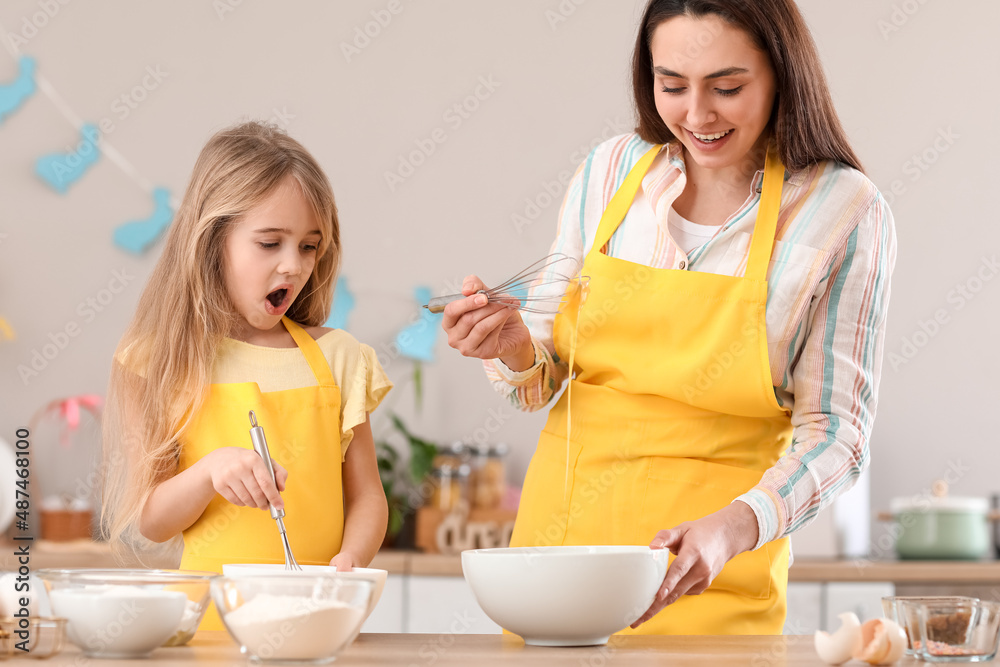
(485, 330)
(701, 548)
(344, 562)
(240, 476)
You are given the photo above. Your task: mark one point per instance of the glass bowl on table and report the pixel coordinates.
(303, 619)
(374, 575)
(953, 629)
(126, 613)
(892, 608)
(32, 637)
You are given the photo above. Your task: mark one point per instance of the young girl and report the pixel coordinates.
(228, 323)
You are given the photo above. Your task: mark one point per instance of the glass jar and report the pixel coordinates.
(455, 454)
(489, 476)
(449, 485)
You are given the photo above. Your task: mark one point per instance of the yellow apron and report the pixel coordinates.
(673, 416)
(303, 434)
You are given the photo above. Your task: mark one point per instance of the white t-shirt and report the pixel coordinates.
(689, 235)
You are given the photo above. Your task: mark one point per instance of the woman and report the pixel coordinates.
(726, 350)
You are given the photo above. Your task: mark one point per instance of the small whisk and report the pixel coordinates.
(260, 446)
(540, 288)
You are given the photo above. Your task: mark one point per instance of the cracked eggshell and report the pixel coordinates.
(838, 648)
(882, 642)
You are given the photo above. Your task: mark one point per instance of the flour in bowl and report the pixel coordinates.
(288, 627)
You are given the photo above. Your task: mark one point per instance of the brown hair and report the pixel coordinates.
(803, 121)
(163, 362)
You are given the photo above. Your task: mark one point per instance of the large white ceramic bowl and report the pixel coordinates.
(377, 577)
(565, 596)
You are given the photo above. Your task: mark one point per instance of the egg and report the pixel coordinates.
(882, 642)
(10, 597)
(838, 648)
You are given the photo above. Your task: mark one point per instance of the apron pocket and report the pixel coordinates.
(680, 490)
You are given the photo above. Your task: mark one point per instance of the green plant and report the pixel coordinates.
(397, 483)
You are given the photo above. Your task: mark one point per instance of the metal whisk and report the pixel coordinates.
(540, 288)
(260, 446)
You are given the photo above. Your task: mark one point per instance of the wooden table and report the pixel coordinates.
(216, 648)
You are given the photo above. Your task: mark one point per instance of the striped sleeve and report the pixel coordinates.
(836, 381)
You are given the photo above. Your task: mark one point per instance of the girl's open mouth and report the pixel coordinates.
(278, 301)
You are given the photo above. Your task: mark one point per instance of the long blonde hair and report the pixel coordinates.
(163, 363)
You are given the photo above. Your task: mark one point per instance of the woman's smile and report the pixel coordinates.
(719, 104)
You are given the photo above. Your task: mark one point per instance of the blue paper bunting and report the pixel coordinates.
(61, 170)
(13, 95)
(137, 235)
(416, 341)
(343, 304)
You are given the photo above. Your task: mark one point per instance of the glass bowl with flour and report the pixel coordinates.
(303, 619)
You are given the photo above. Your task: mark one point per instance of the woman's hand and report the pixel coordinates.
(240, 476)
(485, 330)
(701, 548)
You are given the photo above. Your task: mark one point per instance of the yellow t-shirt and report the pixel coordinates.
(356, 370)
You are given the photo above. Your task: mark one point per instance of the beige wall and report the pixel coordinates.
(557, 87)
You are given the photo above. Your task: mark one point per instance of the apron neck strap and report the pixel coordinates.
(622, 201)
(313, 354)
(767, 212)
(767, 216)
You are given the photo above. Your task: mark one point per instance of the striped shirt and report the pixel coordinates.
(828, 292)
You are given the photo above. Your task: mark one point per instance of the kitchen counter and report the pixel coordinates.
(84, 553)
(216, 648)
(802, 570)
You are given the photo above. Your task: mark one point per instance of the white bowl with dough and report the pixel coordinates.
(377, 577)
(303, 619)
(565, 596)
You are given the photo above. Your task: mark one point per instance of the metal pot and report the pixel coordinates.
(941, 528)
